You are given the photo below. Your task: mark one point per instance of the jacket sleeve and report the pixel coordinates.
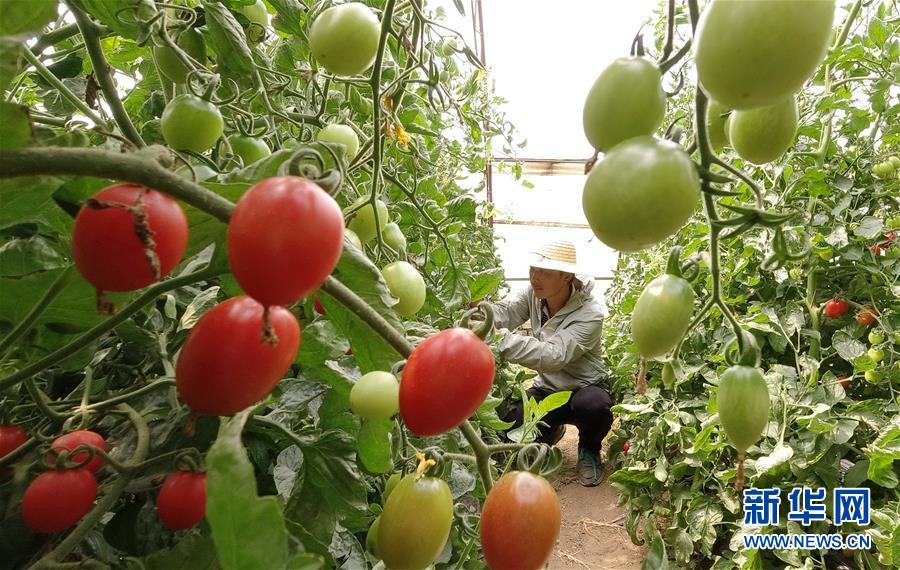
(513, 311)
(553, 354)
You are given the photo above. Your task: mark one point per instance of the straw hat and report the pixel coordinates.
(559, 255)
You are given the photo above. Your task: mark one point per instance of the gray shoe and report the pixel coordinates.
(590, 472)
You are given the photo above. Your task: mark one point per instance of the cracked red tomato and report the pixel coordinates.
(113, 235)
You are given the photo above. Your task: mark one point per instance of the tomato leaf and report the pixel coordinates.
(195, 551)
(227, 39)
(248, 530)
(17, 17)
(374, 445)
(121, 16)
(656, 557)
(15, 126)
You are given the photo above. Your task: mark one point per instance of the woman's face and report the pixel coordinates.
(548, 282)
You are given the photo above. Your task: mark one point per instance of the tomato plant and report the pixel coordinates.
(453, 363)
(375, 396)
(190, 123)
(284, 239)
(344, 38)
(640, 193)
(407, 284)
(117, 227)
(182, 500)
(626, 100)
(56, 500)
(519, 522)
(69, 442)
(225, 366)
(415, 523)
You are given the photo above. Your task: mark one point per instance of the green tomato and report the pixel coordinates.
(640, 193)
(888, 166)
(873, 376)
(668, 375)
(895, 161)
(626, 100)
(170, 65)
(201, 171)
(372, 538)
(764, 134)
(750, 54)
(883, 169)
(715, 125)
(390, 485)
(256, 13)
(415, 524)
(344, 38)
(249, 149)
(876, 354)
(743, 404)
(190, 123)
(447, 46)
(363, 223)
(393, 237)
(444, 76)
(343, 135)
(407, 284)
(875, 337)
(661, 315)
(375, 396)
(351, 236)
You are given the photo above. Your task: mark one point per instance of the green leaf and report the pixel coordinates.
(24, 256)
(656, 557)
(31, 200)
(248, 530)
(15, 126)
(227, 39)
(122, 16)
(375, 445)
(779, 455)
(18, 17)
(846, 347)
(289, 17)
(485, 282)
(195, 551)
(554, 401)
(9, 61)
(869, 227)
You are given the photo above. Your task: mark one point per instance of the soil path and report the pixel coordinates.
(593, 535)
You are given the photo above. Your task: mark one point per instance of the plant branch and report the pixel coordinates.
(91, 34)
(670, 32)
(48, 76)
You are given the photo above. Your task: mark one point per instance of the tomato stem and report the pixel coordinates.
(482, 454)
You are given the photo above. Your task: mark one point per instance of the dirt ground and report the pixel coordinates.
(593, 535)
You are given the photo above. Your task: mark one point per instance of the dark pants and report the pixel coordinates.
(588, 409)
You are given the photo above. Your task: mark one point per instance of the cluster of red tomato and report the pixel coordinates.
(835, 308)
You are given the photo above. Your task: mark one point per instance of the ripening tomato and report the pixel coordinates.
(56, 500)
(519, 522)
(454, 363)
(285, 237)
(375, 396)
(224, 367)
(750, 54)
(834, 308)
(626, 100)
(407, 285)
(640, 193)
(866, 316)
(363, 223)
(72, 440)
(170, 65)
(182, 500)
(11, 438)
(743, 404)
(249, 149)
(763, 134)
(344, 38)
(190, 123)
(415, 523)
(845, 382)
(715, 124)
(105, 245)
(625, 447)
(340, 134)
(661, 315)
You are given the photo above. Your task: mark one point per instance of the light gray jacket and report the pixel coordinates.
(566, 351)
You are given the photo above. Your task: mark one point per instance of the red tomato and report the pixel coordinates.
(11, 437)
(284, 238)
(845, 382)
(626, 447)
(866, 317)
(106, 247)
(875, 249)
(519, 522)
(319, 308)
(57, 500)
(834, 308)
(70, 441)
(445, 379)
(224, 366)
(182, 500)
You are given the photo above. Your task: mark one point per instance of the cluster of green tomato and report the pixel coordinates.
(887, 168)
(751, 58)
